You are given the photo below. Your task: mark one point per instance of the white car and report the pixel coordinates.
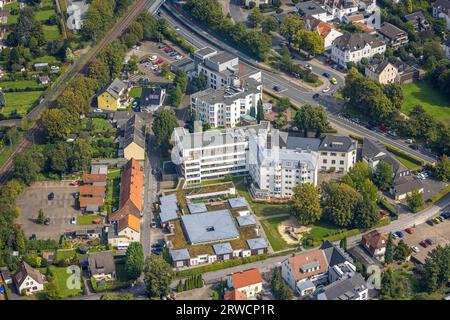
(308, 67)
(415, 249)
(179, 57)
(98, 110)
(155, 67)
(153, 58)
(394, 236)
(73, 220)
(326, 90)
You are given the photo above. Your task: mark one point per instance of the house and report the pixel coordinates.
(382, 71)
(352, 47)
(441, 9)
(223, 251)
(394, 37)
(4, 14)
(337, 153)
(101, 266)
(44, 80)
(326, 31)
(168, 209)
(407, 73)
(91, 204)
(92, 191)
(76, 12)
(131, 187)
(352, 287)
(257, 246)
(258, 3)
(134, 138)
(234, 295)
(312, 9)
(418, 20)
(127, 230)
(248, 282)
(338, 9)
(447, 48)
(375, 243)
(152, 99)
(373, 152)
(114, 97)
(94, 179)
(28, 280)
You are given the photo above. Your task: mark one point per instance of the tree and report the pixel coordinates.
(259, 111)
(442, 169)
(383, 176)
(368, 190)
(2, 99)
(286, 63)
(389, 252)
(366, 214)
(343, 243)
(339, 202)
(309, 41)
(81, 155)
(269, 24)
(402, 251)
(279, 288)
(158, 275)
(41, 217)
(313, 119)
(255, 18)
(59, 157)
(414, 200)
(52, 290)
(291, 24)
(24, 168)
(134, 260)
(437, 268)
(199, 83)
(163, 127)
(305, 203)
(360, 172)
(58, 123)
(180, 286)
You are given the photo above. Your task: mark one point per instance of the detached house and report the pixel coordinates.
(326, 31)
(101, 266)
(248, 283)
(152, 99)
(394, 37)
(375, 243)
(28, 280)
(382, 71)
(441, 9)
(114, 97)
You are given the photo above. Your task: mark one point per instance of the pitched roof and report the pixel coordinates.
(338, 144)
(377, 66)
(441, 3)
(246, 278)
(334, 254)
(375, 239)
(405, 184)
(303, 262)
(376, 151)
(357, 41)
(135, 131)
(151, 97)
(101, 262)
(234, 295)
(130, 221)
(26, 270)
(92, 177)
(116, 87)
(390, 31)
(168, 214)
(344, 289)
(89, 201)
(92, 190)
(131, 184)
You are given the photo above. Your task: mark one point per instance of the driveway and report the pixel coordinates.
(238, 14)
(60, 210)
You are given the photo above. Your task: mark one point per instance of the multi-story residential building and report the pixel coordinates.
(248, 283)
(326, 31)
(276, 166)
(338, 9)
(223, 69)
(28, 280)
(223, 107)
(375, 243)
(394, 37)
(337, 153)
(382, 71)
(114, 97)
(441, 9)
(352, 47)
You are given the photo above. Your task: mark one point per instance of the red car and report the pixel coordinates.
(409, 230)
(159, 61)
(423, 243)
(167, 49)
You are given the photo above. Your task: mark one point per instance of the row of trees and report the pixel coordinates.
(210, 13)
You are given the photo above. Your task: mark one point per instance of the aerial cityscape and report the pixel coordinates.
(255, 150)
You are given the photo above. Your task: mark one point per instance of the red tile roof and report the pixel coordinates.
(94, 177)
(307, 259)
(86, 201)
(130, 221)
(246, 278)
(234, 295)
(375, 240)
(92, 190)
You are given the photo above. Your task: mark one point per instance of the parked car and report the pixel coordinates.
(423, 243)
(430, 222)
(157, 245)
(409, 141)
(153, 224)
(415, 249)
(159, 61)
(315, 96)
(326, 74)
(446, 215)
(429, 242)
(333, 81)
(436, 220)
(276, 88)
(414, 146)
(161, 46)
(73, 220)
(157, 251)
(47, 221)
(308, 67)
(179, 57)
(153, 58)
(409, 230)
(399, 234)
(326, 90)
(51, 196)
(441, 218)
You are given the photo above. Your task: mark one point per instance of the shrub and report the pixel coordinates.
(404, 155)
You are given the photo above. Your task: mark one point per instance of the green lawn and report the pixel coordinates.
(112, 190)
(271, 229)
(20, 84)
(96, 125)
(63, 254)
(88, 219)
(421, 93)
(20, 102)
(51, 32)
(135, 92)
(42, 15)
(48, 59)
(409, 164)
(61, 277)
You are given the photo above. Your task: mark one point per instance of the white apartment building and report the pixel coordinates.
(223, 69)
(276, 168)
(337, 153)
(223, 107)
(338, 9)
(352, 47)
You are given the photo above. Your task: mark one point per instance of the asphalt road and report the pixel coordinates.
(201, 38)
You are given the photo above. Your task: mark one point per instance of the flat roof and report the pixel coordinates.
(168, 215)
(209, 226)
(246, 220)
(238, 202)
(223, 248)
(168, 200)
(197, 207)
(257, 243)
(178, 255)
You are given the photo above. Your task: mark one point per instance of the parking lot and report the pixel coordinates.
(438, 233)
(60, 210)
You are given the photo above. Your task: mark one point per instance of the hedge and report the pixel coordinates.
(357, 138)
(383, 204)
(404, 155)
(438, 196)
(220, 265)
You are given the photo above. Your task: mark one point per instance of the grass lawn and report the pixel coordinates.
(19, 101)
(61, 277)
(48, 59)
(421, 93)
(7, 150)
(20, 84)
(42, 15)
(13, 19)
(409, 164)
(271, 229)
(51, 32)
(96, 125)
(112, 190)
(88, 219)
(135, 92)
